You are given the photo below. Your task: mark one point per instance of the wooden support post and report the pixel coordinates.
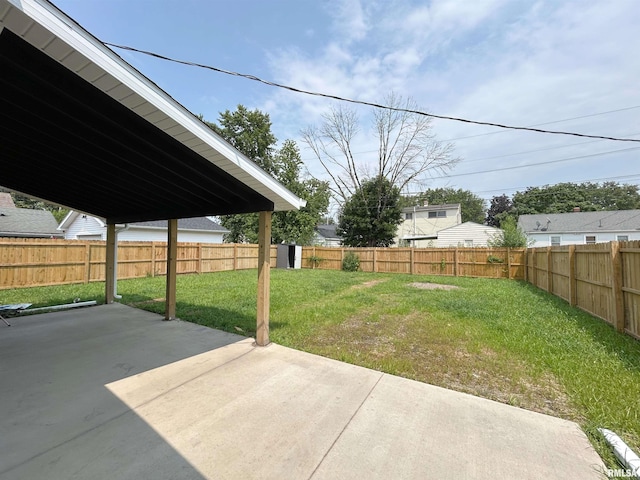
(374, 260)
(110, 267)
(616, 285)
(264, 278)
(549, 271)
(172, 270)
(508, 263)
(534, 267)
(526, 264)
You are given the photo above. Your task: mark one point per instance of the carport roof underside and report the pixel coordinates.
(84, 129)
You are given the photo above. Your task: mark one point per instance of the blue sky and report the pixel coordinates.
(507, 61)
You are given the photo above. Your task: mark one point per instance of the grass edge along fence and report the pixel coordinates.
(454, 261)
(602, 279)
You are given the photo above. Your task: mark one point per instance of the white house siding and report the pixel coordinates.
(90, 228)
(468, 234)
(85, 228)
(420, 225)
(543, 239)
(160, 235)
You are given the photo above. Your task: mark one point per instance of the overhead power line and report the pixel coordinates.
(539, 163)
(362, 102)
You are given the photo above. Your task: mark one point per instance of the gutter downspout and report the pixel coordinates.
(115, 262)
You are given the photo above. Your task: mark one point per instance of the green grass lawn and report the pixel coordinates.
(500, 339)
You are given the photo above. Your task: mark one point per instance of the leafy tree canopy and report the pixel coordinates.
(564, 197)
(250, 132)
(500, 207)
(472, 207)
(371, 216)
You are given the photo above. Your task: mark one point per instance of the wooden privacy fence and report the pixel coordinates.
(602, 279)
(461, 262)
(41, 262)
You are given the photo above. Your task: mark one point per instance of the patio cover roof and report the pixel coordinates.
(84, 129)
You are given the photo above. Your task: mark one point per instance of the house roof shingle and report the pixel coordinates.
(25, 222)
(328, 231)
(618, 220)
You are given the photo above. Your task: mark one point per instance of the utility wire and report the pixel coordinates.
(370, 104)
(539, 163)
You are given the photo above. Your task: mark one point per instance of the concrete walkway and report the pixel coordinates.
(112, 392)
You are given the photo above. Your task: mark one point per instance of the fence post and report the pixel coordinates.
(456, 267)
(341, 258)
(508, 263)
(526, 264)
(616, 285)
(411, 260)
(549, 271)
(87, 262)
(374, 260)
(534, 266)
(235, 256)
(573, 296)
(199, 258)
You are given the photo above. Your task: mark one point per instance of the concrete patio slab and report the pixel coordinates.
(114, 392)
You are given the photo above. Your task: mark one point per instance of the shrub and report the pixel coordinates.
(314, 261)
(350, 262)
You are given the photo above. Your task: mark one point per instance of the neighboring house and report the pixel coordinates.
(420, 225)
(326, 236)
(467, 234)
(77, 226)
(581, 227)
(28, 223)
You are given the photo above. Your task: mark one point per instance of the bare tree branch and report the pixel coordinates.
(408, 151)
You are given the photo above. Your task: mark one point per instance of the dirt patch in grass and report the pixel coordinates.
(368, 284)
(432, 286)
(405, 345)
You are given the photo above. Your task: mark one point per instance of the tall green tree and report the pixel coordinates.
(371, 216)
(500, 207)
(472, 207)
(564, 197)
(250, 132)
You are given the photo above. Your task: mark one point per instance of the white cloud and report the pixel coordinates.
(520, 63)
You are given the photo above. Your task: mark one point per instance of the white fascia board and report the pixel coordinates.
(71, 33)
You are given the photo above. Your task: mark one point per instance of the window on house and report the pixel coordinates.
(623, 238)
(468, 243)
(590, 239)
(439, 214)
(408, 216)
(555, 240)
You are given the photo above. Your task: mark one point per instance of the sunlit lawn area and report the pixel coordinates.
(500, 339)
